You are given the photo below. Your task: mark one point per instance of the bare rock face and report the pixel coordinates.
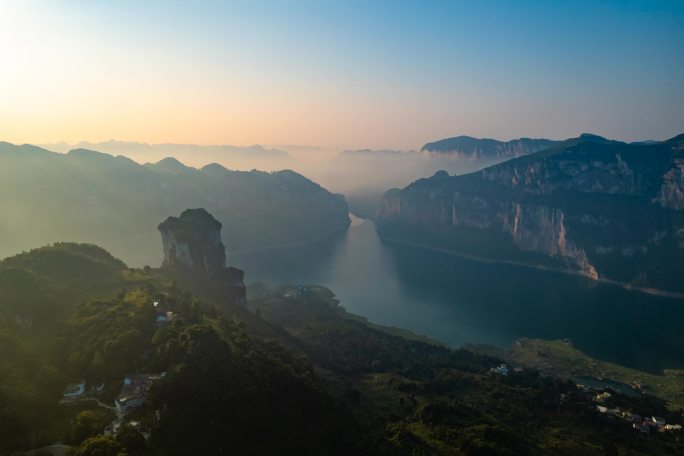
(192, 244)
(602, 208)
(193, 241)
(671, 193)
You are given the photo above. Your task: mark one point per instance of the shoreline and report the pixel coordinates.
(624, 285)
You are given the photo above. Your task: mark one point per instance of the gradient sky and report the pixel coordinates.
(391, 74)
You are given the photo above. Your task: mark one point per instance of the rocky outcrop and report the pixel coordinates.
(601, 208)
(671, 194)
(193, 241)
(192, 246)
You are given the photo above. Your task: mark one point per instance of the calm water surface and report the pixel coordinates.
(460, 301)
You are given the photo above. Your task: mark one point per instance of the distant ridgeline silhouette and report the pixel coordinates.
(92, 197)
(484, 148)
(193, 247)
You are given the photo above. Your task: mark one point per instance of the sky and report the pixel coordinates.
(378, 74)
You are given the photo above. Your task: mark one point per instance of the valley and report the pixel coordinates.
(304, 228)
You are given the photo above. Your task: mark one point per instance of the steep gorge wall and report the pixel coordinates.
(605, 210)
(671, 194)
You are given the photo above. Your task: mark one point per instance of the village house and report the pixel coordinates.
(163, 314)
(644, 427)
(74, 390)
(658, 421)
(164, 317)
(501, 370)
(602, 397)
(126, 402)
(672, 427)
(134, 391)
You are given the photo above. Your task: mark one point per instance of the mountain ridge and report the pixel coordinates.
(482, 148)
(604, 208)
(95, 197)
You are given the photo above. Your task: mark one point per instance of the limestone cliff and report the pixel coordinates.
(193, 240)
(671, 193)
(602, 208)
(192, 245)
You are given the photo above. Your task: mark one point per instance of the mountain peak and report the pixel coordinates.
(170, 165)
(215, 169)
(592, 137)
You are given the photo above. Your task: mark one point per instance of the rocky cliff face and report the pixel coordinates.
(602, 208)
(192, 243)
(671, 194)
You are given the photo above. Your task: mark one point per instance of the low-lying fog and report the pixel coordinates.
(361, 175)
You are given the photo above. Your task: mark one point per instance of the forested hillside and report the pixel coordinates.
(293, 373)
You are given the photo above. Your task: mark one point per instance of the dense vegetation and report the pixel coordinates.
(427, 399)
(294, 373)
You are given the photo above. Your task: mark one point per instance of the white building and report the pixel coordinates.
(74, 390)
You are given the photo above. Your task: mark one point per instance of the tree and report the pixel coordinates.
(102, 445)
(89, 423)
(132, 441)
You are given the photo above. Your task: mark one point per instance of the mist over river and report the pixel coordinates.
(460, 301)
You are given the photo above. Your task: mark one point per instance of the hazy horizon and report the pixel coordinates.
(352, 75)
(328, 147)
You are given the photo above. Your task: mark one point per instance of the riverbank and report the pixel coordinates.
(561, 359)
(626, 286)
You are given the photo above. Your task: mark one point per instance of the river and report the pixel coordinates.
(461, 301)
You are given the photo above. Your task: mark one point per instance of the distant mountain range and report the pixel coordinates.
(113, 201)
(233, 157)
(370, 153)
(605, 209)
(475, 148)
